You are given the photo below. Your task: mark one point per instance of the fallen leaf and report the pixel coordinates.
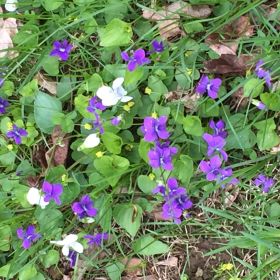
(199, 273)
(172, 261)
(33, 181)
(8, 28)
(38, 156)
(241, 27)
(168, 18)
(230, 197)
(50, 86)
(228, 63)
(147, 277)
(133, 266)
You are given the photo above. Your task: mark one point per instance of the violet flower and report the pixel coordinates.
(52, 191)
(94, 104)
(96, 239)
(16, 133)
(161, 156)
(211, 168)
(211, 86)
(265, 182)
(3, 104)
(84, 208)
(263, 74)
(29, 236)
(215, 144)
(1, 82)
(157, 46)
(61, 49)
(116, 120)
(219, 128)
(137, 58)
(225, 174)
(72, 257)
(155, 129)
(97, 124)
(261, 106)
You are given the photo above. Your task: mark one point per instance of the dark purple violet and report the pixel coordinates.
(262, 73)
(96, 239)
(52, 191)
(219, 128)
(209, 86)
(155, 129)
(215, 145)
(265, 182)
(72, 257)
(157, 46)
(3, 105)
(211, 168)
(84, 208)
(97, 124)
(137, 58)
(29, 236)
(61, 49)
(16, 133)
(94, 104)
(225, 174)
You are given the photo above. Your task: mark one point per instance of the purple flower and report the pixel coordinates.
(176, 201)
(225, 174)
(211, 168)
(16, 133)
(161, 156)
(97, 238)
(84, 208)
(29, 236)
(157, 46)
(116, 120)
(215, 144)
(61, 49)
(211, 86)
(94, 104)
(263, 74)
(52, 191)
(219, 128)
(1, 82)
(3, 104)
(155, 129)
(72, 257)
(265, 182)
(138, 58)
(261, 106)
(97, 123)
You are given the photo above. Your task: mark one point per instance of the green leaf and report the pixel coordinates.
(204, 110)
(183, 169)
(7, 88)
(51, 5)
(51, 65)
(143, 149)
(81, 104)
(70, 192)
(92, 84)
(132, 77)
(267, 139)
(29, 92)
(193, 27)
(5, 233)
(244, 138)
(27, 273)
(51, 258)
(274, 210)
(4, 271)
(115, 270)
(271, 100)
(158, 88)
(253, 87)
(112, 142)
(104, 215)
(116, 33)
(128, 217)
(45, 107)
(27, 36)
(145, 184)
(192, 125)
(148, 246)
(64, 88)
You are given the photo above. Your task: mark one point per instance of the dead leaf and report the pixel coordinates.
(241, 27)
(238, 100)
(168, 18)
(275, 150)
(172, 261)
(228, 63)
(33, 181)
(38, 156)
(147, 277)
(231, 197)
(50, 86)
(8, 28)
(133, 266)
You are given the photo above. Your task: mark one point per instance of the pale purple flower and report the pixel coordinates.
(96, 239)
(215, 145)
(261, 106)
(225, 174)
(116, 120)
(211, 86)
(161, 156)
(72, 257)
(263, 74)
(265, 182)
(155, 129)
(219, 128)
(61, 49)
(84, 208)
(97, 124)
(157, 46)
(16, 133)
(94, 104)
(52, 191)
(29, 236)
(137, 58)
(1, 82)
(211, 168)
(3, 105)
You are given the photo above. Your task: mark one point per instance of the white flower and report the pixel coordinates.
(112, 95)
(91, 141)
(69, 242)
(10, 5)
(35, 197)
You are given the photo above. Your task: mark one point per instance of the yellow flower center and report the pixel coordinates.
(148, 90)
(87, 126)
(99, 154)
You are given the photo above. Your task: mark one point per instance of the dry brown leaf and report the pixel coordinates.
(133, 266)
(241, 27)
(228, 63)
(50, 86)
(8, 28)
(147, 277)
(168, 18)
(38, 156)
(33, 181)
(171, 261)
(61, 142)
(231, 197)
